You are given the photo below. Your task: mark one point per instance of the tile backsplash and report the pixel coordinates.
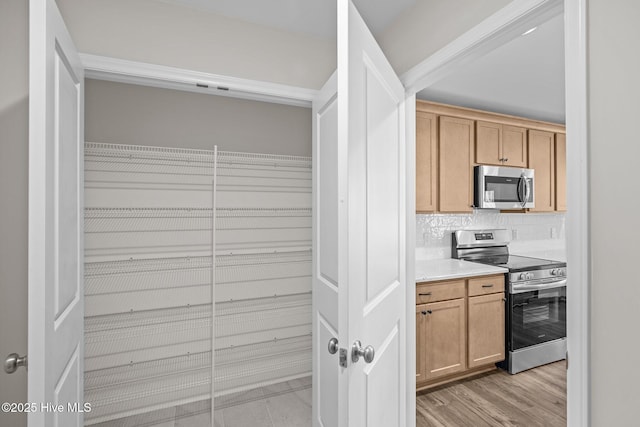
(540, 235)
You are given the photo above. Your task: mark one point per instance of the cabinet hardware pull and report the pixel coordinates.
(425, 295)
(429, 311)
(504, 300)
(423, 312)
(506, 160)
(488, 286)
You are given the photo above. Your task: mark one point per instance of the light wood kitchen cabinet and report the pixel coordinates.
(451, 140)
(561, 172)
(456, 153)
(485, 285)
(444, 335)
(426, 162)
(459, 328)
(542, 160)
(500, 145)
(486, 329)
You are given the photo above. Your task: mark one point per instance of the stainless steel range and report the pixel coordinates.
(536, 327)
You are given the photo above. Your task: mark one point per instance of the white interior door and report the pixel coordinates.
(359, 275)
(56, 135)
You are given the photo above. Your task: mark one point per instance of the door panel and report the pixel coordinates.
(382, 188)
(325, 406)
(384, 409)
(359, 277)
(66, 192)
(371, 124)
(325, 261)
(56, 139)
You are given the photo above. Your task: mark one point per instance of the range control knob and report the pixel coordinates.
(554, 272)
(560, 272)
(525, 276)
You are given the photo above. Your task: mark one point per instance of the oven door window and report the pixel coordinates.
(537, 317)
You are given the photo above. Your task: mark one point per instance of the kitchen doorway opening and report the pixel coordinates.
(510, 22)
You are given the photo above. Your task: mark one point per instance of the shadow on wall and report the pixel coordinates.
(14, 174)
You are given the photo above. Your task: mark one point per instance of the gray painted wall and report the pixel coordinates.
(162, 33)
(614, 151)
(14, 143)
(128, 114)
(429, 25)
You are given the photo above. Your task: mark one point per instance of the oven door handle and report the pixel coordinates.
(518, 289)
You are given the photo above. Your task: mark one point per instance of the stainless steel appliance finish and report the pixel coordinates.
(499, 187)
(536, 355)
(535, 327)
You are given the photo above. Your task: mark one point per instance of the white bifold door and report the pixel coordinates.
(56, 138)
(359, 283)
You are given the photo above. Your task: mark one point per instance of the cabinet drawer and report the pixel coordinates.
(439, 291)
(486, 285)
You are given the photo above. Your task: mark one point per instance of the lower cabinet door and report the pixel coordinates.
(443, 340)
(486, 329)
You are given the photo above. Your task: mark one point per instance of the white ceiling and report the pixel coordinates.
(312, 17)
(524, 77)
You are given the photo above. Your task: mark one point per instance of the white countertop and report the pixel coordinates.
(444, 269)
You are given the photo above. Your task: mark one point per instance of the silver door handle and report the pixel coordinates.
(333, 346)
(368, 353)
(13, 362)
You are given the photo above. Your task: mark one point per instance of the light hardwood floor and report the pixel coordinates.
(536, 397)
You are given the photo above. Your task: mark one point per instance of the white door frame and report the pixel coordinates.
(491, 33)
(504, 25)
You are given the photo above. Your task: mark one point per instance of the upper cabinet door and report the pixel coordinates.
(456, 153)
(561, 172)
(426, 162)
(500, 145)
(542, 160)
(514, 146)
(488, 143)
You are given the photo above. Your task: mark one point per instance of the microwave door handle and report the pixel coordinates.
(527, 193)
(521, 191)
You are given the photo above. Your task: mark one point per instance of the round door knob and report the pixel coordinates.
(368, 353)
(333, 346)
(13, 362)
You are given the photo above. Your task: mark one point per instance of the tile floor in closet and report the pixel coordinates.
(286, 404)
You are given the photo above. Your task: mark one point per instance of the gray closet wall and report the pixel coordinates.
(119, 113)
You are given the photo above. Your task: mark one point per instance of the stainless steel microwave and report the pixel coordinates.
(498, 187)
